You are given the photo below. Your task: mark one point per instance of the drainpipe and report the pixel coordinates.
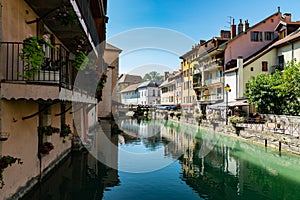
(0, 22)
(240, 88)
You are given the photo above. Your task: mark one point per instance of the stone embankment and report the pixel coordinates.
(280, 135)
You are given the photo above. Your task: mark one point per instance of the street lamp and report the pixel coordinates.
(227, 89)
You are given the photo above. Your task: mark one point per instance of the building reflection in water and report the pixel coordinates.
(81, 175)
(214, 166)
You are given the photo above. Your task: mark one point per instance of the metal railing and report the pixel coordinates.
(55, 69)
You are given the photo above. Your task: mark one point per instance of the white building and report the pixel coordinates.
(130, 95)
(149, 93)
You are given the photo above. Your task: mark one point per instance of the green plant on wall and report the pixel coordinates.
(100, 86)
(6, 161)
(81, 60)
(33, 53)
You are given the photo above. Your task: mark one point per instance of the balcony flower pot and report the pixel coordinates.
(46, 147)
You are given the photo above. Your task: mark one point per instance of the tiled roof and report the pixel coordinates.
(130, 88)
(128, 78)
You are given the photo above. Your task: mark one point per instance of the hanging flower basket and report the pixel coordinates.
(46, 147)
(65, 130)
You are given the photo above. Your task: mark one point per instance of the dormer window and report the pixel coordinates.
(256, 36)
(269, 36)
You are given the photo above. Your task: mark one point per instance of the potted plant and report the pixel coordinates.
(236, 119)
(47, 130)
(6, 161)
(33, 53)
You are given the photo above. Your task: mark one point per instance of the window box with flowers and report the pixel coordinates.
(45, 148)
(33, 54)
(6, 161)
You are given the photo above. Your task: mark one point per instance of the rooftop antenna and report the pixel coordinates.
(229, 22)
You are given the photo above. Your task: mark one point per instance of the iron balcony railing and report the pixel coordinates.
(56, 67)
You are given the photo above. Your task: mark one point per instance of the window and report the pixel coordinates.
(264, 66)
(281, 60)
(251, 69)
(256, 36)
(269, 36)
(154, 93)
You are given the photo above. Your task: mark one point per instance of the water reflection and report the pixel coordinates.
(197, 164)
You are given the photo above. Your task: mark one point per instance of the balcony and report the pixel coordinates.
(55, 70)
(213, 81)
(55, 79)
(86, 31)
(213, 65)
(212, 97)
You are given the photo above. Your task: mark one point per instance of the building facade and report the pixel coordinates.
(45, 94)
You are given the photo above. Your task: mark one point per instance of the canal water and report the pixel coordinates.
(167, 160)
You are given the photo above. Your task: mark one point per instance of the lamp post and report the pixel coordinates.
(227, 89)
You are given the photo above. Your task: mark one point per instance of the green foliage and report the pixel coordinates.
(65, 15)
(198, 116)
(65, 130)
(47, 130)
(33, 54)
(153, 76)
(81, 60)
(278, 93)
(6, 161)
(100, 86)
(236, 119)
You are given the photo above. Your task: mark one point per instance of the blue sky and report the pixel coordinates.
(193, 19)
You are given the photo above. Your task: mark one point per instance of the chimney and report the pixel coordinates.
(233, 30)
(166, 75)
(202, 42)
(278, 9)
(246, 25)
(240, 27)
(225, 34)
(287, 17)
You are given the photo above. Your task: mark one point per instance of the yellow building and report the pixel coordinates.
(188, 95)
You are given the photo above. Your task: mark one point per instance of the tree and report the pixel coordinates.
(153, 76)
(278, 93)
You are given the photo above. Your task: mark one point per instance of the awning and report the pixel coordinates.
(238, 103)
(186, 104)
(217, 106)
